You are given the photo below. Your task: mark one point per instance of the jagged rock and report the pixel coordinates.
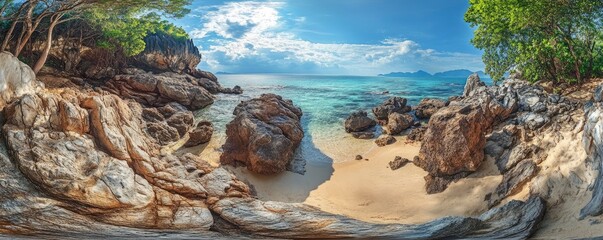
(427, 107)
(454, 141)
(264, 135)
(16, 79)
(358, 122)
(513, 180)
(391, 105)
(416, 134)
(204, 74)
(398, 122)
(533, 120)
(398, 162)
(211, 86)
(164, 53)
(515, 220)
(156, 90)
(363, 135)
(89, 152)
(500, 142)
(201, 134)
(168, 123)
(473, 84)
(100, 73)
(519, 153)
(385, 140)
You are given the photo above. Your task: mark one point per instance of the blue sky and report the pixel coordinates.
(355, 37)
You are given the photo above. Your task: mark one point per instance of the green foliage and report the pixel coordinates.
(557, 40)
(124, 26)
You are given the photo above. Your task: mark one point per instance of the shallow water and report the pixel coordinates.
(325, 101)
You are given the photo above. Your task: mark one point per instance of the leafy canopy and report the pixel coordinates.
(544, 39)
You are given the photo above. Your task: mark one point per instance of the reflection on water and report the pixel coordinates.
(325, 101)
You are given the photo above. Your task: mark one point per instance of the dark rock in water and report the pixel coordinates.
(264, 134)
(234, 90)
(427, 107)
(385, 140)
(416, 134)
(165, 53)
(363, 135)
(398, 122)
(473, 84)
(157, 90)
(358, 122)
(513, 180)
(391, 105)
(201, 134)
(398, 162)
(358, 157)
(515, 220)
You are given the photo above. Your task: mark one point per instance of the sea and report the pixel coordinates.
(326, 101)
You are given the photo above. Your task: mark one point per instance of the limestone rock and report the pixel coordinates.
(16, 79)
(164, 53)
(157, 90)
(264, 134)
(427, 107)
(473, 83)
(513, 180)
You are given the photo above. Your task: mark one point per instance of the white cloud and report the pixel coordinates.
(238, 31)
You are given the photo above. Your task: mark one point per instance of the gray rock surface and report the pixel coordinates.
(16, 79)
(164, 53)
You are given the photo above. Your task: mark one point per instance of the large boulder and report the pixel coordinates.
(391, 105)
(454, 141)
(398, 122)
(473, 84)
(165, 53)
(16, 79)
(264, 135)
(169, 123)
(593, 144)
(201, 134)
(358, 122)
(158, 90)
(427, 107)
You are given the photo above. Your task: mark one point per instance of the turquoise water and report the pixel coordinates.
(326, 101)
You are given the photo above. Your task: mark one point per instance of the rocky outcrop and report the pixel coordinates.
(513, 181)
(398, 162)
(473, 84)
(264, 135)
(169, 123)
(515, 220)
(593, 144)
(90, 153)
(391, 105)
(158, 90)
(165, 53)
(427, 107)
(16, 79)
(398, 122)
(201, 134)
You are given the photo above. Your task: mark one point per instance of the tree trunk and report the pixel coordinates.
(8, 35)
(42, 60)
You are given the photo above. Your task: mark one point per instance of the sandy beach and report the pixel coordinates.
(370, 191)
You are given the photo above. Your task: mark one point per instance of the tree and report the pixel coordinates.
(556, 40)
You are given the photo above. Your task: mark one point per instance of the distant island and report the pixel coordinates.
(459, 73)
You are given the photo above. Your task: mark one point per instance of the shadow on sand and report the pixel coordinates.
(289, 186)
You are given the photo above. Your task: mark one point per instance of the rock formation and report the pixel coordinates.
(398, 122)
(385, 140)
(593, 144)
(165, 53)
(264, 134)
(391, 105)
(201, 134)
(157, 90)
(360, 125)
(16, 79)
(427, 107)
